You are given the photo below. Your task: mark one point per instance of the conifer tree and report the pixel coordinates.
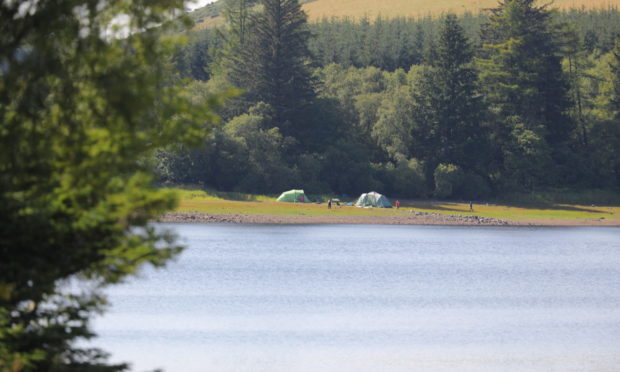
(448, 111)
(524, 82)
(236, 13)
(576, 64)
(615, 70)
(273, 67)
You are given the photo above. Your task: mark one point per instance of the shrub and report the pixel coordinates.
(407, 179)
(448, 179)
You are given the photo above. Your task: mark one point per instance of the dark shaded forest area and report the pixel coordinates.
(516, 99)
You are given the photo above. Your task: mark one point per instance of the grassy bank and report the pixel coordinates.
(197, 201)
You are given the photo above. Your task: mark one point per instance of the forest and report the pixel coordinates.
(519, 98)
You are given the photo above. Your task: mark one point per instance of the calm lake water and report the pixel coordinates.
(341, 298)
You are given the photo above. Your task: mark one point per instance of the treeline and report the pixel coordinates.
(516, 99)
(390, 44)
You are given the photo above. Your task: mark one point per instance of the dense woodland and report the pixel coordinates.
(516, 99)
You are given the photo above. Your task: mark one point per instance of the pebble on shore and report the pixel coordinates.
(416, 218)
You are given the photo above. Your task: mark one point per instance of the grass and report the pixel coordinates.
(193, 195)
(214, 202)
(516, 212)
(566, 196)
(419, 8)
(209, 17)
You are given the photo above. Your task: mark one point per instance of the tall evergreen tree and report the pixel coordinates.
(525, 85)
(229, 60)
(448, 111)
(576, 65)
(192, 60)
(273, 67)
(615, 70)
(236, 13)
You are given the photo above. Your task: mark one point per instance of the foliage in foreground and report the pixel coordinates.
(84, 101)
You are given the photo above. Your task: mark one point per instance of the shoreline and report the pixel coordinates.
(417, 218)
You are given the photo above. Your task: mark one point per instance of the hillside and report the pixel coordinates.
(415, 8)
(317, 9)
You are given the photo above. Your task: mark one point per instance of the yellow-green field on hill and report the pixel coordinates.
(196, 201)
(318, 9)
(356, 9)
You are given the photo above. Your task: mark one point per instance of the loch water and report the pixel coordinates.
(340, 298)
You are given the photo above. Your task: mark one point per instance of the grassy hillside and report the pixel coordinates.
(316, 9)
(415, 8)
(208, 16)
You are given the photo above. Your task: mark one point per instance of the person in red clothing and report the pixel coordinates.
(397, 204)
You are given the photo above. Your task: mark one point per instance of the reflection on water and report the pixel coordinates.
(374, 298)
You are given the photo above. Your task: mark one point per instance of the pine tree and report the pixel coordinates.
(615, 69)
(577, 63)
(524, 82)
(448, 111)
(273, 67)
(236, 13)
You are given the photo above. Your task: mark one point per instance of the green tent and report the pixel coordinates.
(293, 196)
(373, 199)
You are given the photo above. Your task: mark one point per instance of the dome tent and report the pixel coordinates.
(373, 199)
(293, 196)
